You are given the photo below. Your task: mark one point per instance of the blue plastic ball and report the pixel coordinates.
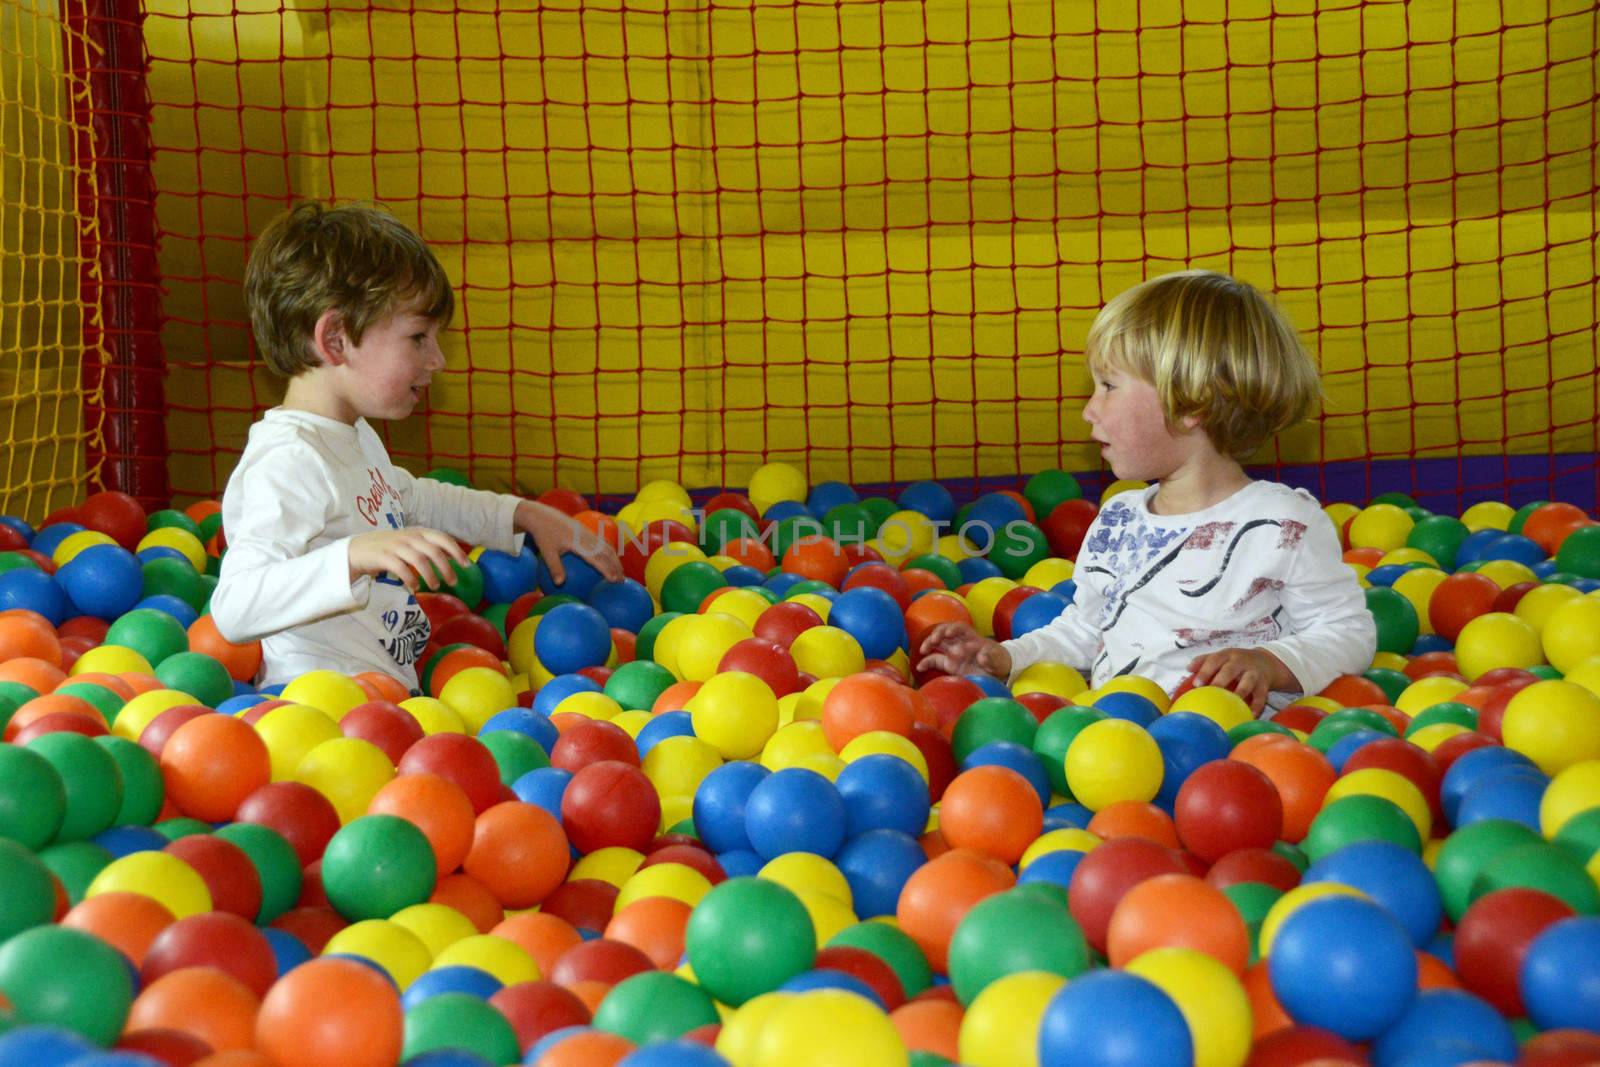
(167, 604)
(720, 805)
(240, 702)
(155, 552)
(626, 605)
(877, 864)
(1187, 742)
(1053, 868)
(1508, 792)
(1067, 813)
(740, 863)
(1340, 751)
(662, 726)
(807, 981)
(1393, 876)
(20, 526)
(560, 688)
(1465, 771)
(873, 618)
(743, 576)
(883, 792)
(988, 515)
(794, 810)
(929, 498)
(1113, 1019)
(34, 590)
(782, 582)
(544, 786)
(976, 569)
(1131, 707)
(1561, 975)
(507, 576)
(1038, 611)
(448, 1057)
(31, 1046)
(1446, 1020)
(123, 841)
(571, 637)
(103, 580)
(681, 1052)
(579, 580)
(1474, 544)
(991, 686)
(1344, 964)
(1431, 643)
(288, 951)
(786, 509)
(452, 979)
(825, 495)
(534, 724)
(1514, 547)
(48, 539)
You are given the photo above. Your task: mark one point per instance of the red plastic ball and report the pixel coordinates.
(1254, 865)
(601, 960)
(768, 660)
(593, 741)
(1104, 876)
(535, 1009)
(1226, 805)
(610, 804)
(461, 759)
(585, 903)
(389, 726)
(305, 818)
(1406, 760)
(1493, 937)
(213, 939)
(227, 871)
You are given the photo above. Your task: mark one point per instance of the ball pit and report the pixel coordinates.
(755, 834)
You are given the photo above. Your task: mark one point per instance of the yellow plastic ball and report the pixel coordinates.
(1431, 737)
(506, 960)
(677, 765)
(1113, 760)
(739, 1041)
(666, 559)
(1585, 673)
(327, 691)
(142, 710)
(1381, 526)
(1426, 692)
(434, 715)
(674, 809)
(1541, 602)
(956, 548)
(793, 743)
(673, 880)
(1293, 901)
(669, 510)
(291, 731)
(670, 639)
(705, 641)
(885, 743)
(1392, 786)
(815, 601)
(774, 483)
(828, 652)
(631, 722)
(1390, 661)
(1417, 586)
(663, 489)
(1133, 683)
(348, 771)
(1339, 514)
(614, 864)
(1123, 485)
(983, 598)
(812, 698)
(478, 694)
(830, 1026)
(179, 540)
(1066, 839)
(905, 535)
(1496, 639)
(1507, 572)
(1001, 1025)
(1321, 703)
(788, 704)
(1222, 706)
(590, 705)
(1408, 555)
(1554, 723)
(1211, 998)
(519, 646)
(72, 544)
(1057, 679)
(743, 604)
(806, 873)
(397, 950)
(735, 713)
(111, 659)
(1576, 789)
(1488, 515)
(438, 926)
(162, 877)
(1571, 634)
(1048, 572)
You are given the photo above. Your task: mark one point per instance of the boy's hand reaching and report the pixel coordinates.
(1250, 672)
(554, 532)
(956, 648)
(413, 555)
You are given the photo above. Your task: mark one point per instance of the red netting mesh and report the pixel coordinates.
(868, 238)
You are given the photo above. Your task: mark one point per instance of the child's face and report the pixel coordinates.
(1126, 418)
(383, 377)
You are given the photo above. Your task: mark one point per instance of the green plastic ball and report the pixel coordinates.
(1017, 547)
(184, 826)
(1579, 836)
(850, 524)
(275, 861)
(172, 518)
(786, 532)
(1359, 818)
(1011, 932)
(1395, 617)
(688, 586)
(107, 702)
(1439, 536)
(91, 778)
(654, 1006)
(992, 719)
(515, 753)
(376, 865)
(1055, 735)
(1446, 711)
(644, 646)
(75, 863)
(153, 634)
(942, 567)
(175, 577)
(636, 684)
(1544, 867)
(1392, 682)
(468, 587)
(1244, 730)
(198, 675)
(1467, 851)
(724, 525)
(1580, 552)
(894, 947)
(1049, 489)
(27, 896)
(748, 936)
(459, 1021)
(33, 800)
(59, 976)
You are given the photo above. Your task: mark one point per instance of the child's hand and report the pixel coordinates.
(414, 555)
(1250, 672)
(956, 648)
(554, 533)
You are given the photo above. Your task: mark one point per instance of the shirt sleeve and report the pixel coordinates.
(272, 579)
(475, 516)
(1328, 629)
(1073, 637)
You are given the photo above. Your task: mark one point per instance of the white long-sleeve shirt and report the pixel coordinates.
(1261, 569)
(304, 486)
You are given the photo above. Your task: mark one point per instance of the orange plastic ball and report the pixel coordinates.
(862, 703)
(940, 893)
(331, 1011)
(240, 661)
(993, 810)
(202, 1002)
(211, 763)
(1178, 911)
(436, 806)
(519, 852)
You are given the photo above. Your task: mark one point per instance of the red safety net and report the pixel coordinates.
(869, 239)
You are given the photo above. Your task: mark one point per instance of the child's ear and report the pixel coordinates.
(328, 338)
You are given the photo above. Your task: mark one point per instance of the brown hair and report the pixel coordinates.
(357, 260)
(1214, 348)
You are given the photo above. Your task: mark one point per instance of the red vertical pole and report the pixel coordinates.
(121, 278)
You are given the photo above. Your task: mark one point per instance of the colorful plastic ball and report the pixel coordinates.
(545, 787)
(91, 779)
(1344, 964)
(219, 940)
(873, 618)
(1010, 932)
(103, 580)
(331, 1011)
(1492, 940)
(795, 810)
(720, 802)
(682, 1052)
(1393, 876)
(1111, 1018)
(1543, 867)
(461, 759)
(35, 591)
(993, 810)
(1187, 742)
(299, 813)
(748, 936)
(939, 895)
(1210, 997)
(1554, 723)
(830, 1026)
(1560, 975)
(1001, 1026)
(1105, 875)
(1509, 792)
(459, 1021)
(58, 976)
(654, 1006)
(1178, 911)
(735, 713)
(1227, 805)
(276, 864)
(882, 792)
(1359, 818)
(571, 637)
(1450, 1023)
(519, 852)
(1496, 639)
(27, 891)
(1571, 635)
(1113, 760)
(33, 800)
(349, 772)
(877, 864)
(609, 803)
(377, 864)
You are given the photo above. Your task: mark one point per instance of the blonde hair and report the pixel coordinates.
(1214, 348)
(357, 260)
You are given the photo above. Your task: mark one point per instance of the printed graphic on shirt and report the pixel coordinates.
(380, 501)
(406, 626)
